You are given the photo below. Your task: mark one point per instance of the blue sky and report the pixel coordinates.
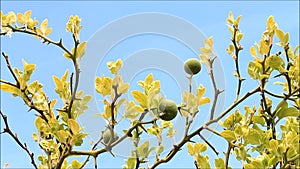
(208, 17)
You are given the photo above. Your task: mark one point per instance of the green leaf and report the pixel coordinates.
(159, 149)
(74, 126)
(130, 163)
(281, 106)
(62, 86)
(219, 163)
(253, 137)
(44, 144)
(141, 98)
(62, 136)
(77, 139)
(291, 111)
(260, 120)
(203, 162)
(40, 123)
(254, 164)
(28, 70)
(275, 62)
(228, 135)
(284, 38)
(144, 150)
(254, 70)
(273, 145)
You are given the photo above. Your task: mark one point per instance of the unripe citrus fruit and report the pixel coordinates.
(107, 136)
(168, 109)
(192, 66)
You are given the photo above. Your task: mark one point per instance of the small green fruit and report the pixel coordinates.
(192, 66)
(107, 136)
(168, 109)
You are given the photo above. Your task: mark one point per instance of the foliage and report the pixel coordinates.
(260, 136)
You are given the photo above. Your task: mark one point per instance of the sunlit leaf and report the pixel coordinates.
(141, 98)
(230, 18)
(103, 85)
(190, 149)
(123, 88)
(200, 148)
(74, 126)
(114, 66)
(228, 135)
(253, 51)
(219, 163)
(80, 50)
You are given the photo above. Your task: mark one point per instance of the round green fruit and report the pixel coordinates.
(106, 135)
(192, 66)
(168, 109)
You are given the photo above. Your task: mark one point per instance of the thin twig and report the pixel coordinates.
(216, 90)
(27, 100)
(208, 143)
(227, 155)
(237, 50)
(10, 68)
(49, 41)
(17, 140)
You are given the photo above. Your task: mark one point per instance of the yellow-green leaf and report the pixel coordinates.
(228, 135)
(141, 98)
(80, 50)
(62, 136)
(200, 148)
(74, 126)
(219, 163)
(103, 85)
(204, 59)
(123, 88)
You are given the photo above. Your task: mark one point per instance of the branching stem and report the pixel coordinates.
(17, 140)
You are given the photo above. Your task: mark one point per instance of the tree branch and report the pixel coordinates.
(49, 41)
(28, 100)
(184, 140)
(236, 59)
(17, 140)
(10, 68)
(216, 90)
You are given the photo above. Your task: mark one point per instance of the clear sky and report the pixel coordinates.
(208, 17)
